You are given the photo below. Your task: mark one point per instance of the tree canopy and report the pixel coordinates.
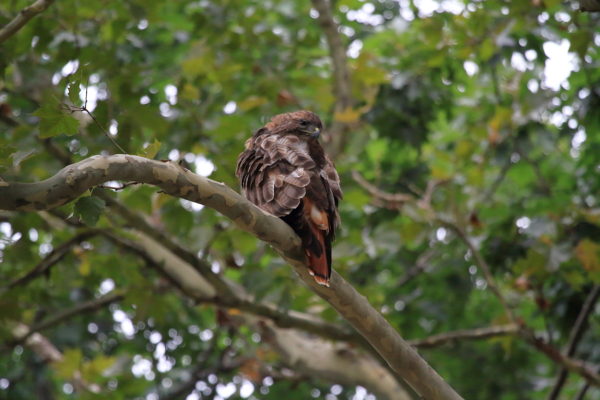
(467, 138)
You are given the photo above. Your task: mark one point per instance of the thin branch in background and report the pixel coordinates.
(574, 338)
(420, 266)
(342, 88)
(395, 201)
(572, 365)
(582, 392)
(471, 334)
(587, 371)
(55, 256)
(589, 5)
(392, 201)
(104, 131)
(487, 196)
(82, 308)
(23, 18)
(483, 265)
(48, 352)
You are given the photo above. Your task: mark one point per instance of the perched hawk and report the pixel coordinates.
(285, 172)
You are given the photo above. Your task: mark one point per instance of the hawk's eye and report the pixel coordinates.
(303, 122)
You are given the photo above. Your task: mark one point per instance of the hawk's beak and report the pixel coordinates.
(316, 133)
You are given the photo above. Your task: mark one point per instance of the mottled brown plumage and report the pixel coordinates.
(285, 171)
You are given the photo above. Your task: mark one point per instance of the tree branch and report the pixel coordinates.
(395, 201)
(483, 265)
(329, 361)
(472, 334)
(73, 180)
(85, 307)
(23, 17)
(577, 366)
(589, 5)
(46, 350)
(54, 257)
(342, 89)
(575, 337)
(259, 315)
(587, 371)
(149, 244)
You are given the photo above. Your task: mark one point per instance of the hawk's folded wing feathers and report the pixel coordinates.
(285, 172)
(274, 175)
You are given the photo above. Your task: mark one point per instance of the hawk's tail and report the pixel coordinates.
(318, 265)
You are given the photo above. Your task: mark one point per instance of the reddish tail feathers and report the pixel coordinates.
(318, 266)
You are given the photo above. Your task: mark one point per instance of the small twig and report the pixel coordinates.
(587, 371)
(51, 259)
(88, 306)
(84, 109)
(472, 334)
(392, 201)
(23, 17)
(106, 133)
(582, 392)
(420, 266)
(574, 338)
(483, 265)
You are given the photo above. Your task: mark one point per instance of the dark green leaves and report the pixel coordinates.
(54, 120)
(89, 209)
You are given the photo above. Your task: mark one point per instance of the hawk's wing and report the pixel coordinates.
(278, 174)
(274, 172)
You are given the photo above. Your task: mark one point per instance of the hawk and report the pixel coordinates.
(285, 171)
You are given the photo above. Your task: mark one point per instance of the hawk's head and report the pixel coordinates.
(302, 123)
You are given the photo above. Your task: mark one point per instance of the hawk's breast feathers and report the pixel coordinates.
(285, 172)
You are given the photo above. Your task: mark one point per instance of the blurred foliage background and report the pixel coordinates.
(469, 141)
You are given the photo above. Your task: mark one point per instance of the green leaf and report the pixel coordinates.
(73, 92)
(6, 151)
(88, 209)
(53, 121)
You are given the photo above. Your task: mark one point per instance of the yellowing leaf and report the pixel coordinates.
(85, 267)
(251, 102)
(587, 253)
(94, 369)
(189, 92)
(70, 363)
(151, 149)
(347, 116)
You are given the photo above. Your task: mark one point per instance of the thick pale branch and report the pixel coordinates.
(23, 17)
(330, 361)
(136, 221)
(228, 294)
(261, 315)
(73, 180)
